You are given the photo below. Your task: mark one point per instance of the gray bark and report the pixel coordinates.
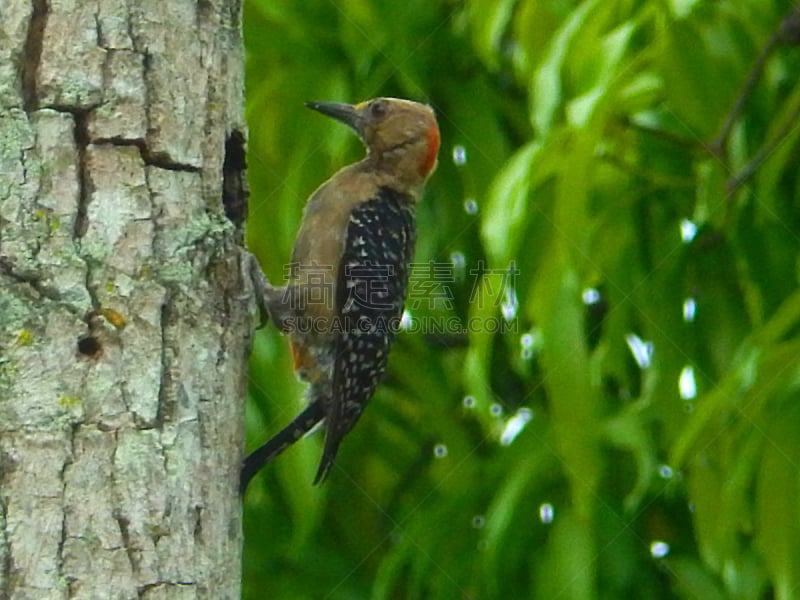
(125, 318)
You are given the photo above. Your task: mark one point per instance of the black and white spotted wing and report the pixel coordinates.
(372, 283)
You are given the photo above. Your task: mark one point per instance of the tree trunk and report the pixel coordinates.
(125, 318)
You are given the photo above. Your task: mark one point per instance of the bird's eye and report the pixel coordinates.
(378, 109)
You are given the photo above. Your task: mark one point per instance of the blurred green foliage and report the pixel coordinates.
(606, 167)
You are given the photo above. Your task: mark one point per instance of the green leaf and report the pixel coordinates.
(490, 20)
(605, 75)
(546, 89)
(777, 509)
(507, 206)
(693, 580)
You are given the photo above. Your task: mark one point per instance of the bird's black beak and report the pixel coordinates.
(346, 113)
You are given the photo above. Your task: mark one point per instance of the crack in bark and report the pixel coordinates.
(32, 54)
(198, 524)
(147, 587)
(149, 158)
(64, 535)
(166, 394)
(81, 132)
(5, 552)
(162, 161)
(124, 523)
(156, 159)
(31, 278)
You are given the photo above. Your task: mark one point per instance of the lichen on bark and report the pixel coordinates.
(124, 314)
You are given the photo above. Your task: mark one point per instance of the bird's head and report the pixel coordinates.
(393, 130)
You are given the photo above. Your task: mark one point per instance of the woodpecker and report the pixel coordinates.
(349, 271)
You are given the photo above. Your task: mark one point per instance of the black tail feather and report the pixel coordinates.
(301, 425)
(325, 464)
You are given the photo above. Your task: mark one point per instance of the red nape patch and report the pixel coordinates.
(428, 163)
